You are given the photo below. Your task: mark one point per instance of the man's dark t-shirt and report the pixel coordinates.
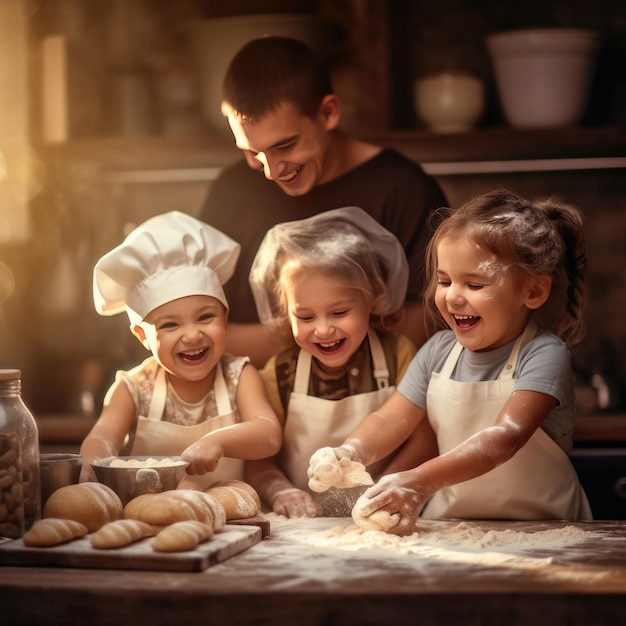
(393, 189)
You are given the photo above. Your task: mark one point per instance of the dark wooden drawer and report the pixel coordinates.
(602, 473)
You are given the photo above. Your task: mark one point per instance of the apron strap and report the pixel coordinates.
(159, 395)
(222, 397)
(453, 357)
(381, 371)
(509, 367)
(157, 405)
(303, 370)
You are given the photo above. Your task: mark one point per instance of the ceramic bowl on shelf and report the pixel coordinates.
(449, 102)
(543, 75)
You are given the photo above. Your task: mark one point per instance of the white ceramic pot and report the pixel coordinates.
(543, 76)
(449, 102)
(215, 42)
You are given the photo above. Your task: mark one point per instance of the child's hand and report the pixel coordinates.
(87, 475)
(295, 503)
(398, 497)
(203, 455)
(333, 467)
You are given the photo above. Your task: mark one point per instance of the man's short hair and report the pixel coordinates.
(272, 70)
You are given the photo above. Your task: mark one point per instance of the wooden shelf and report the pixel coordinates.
(604, 147)
(508, 144)
(594, 428)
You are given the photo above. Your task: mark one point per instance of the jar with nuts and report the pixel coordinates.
(20, 490)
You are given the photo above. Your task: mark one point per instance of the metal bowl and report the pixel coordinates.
(58, 469)
(130, 481)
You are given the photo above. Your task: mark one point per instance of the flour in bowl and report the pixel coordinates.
(150, 462)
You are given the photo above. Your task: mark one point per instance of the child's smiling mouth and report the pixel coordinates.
(331, 346)
(465, 322)
(193, 355)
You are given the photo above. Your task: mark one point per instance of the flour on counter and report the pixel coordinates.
(458, 537)
(324, 550)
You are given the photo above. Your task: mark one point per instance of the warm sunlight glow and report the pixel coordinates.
(22, 176)
(7, 282)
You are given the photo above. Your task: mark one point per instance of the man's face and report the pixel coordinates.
(289, 147)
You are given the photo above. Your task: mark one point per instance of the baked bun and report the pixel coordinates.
(121, 532)
(169, 507)
(181, 536)
(91, 504)
(239, 499)
(52, 531)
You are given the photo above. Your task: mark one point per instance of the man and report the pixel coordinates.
(284, 116)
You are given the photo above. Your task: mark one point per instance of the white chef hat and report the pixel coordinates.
(169, 256)
(330, 242)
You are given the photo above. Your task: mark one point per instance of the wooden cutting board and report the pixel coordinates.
(258, 520)
(79, 553)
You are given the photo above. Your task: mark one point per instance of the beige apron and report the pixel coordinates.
(313, 423)
(539, 482)
(155, 437)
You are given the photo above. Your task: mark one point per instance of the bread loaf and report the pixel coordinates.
(121, 532)
(239, 499)
(169, 507)
(91, 504)
(52, 531)
(181, 536)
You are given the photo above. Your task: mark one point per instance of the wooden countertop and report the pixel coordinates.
(301, 576)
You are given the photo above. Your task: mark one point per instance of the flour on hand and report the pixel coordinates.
(326, 471)
(379, 520)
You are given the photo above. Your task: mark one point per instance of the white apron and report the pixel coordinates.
(313, 423)
(155, 437)
(539, 482)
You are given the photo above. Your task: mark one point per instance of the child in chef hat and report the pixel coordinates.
(332, 284)
(189, 398)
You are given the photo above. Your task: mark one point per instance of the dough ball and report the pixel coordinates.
(326, 471)
(379, 520)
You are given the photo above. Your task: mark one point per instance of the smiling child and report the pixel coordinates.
(189, 398)
(331, 285)
(506, 276)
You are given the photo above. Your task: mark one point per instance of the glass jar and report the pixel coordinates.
(20, 490)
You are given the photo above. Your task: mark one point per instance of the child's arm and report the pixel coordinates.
(277, 490)
(108, 434)
(418, 448)
(407, 492)
(257, 436)
(382, 431)
(422, 444)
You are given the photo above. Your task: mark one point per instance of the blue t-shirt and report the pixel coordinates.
(544, 365)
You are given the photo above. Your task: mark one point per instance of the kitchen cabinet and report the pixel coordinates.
(403, 39)
(602, 473)
(381, 46)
